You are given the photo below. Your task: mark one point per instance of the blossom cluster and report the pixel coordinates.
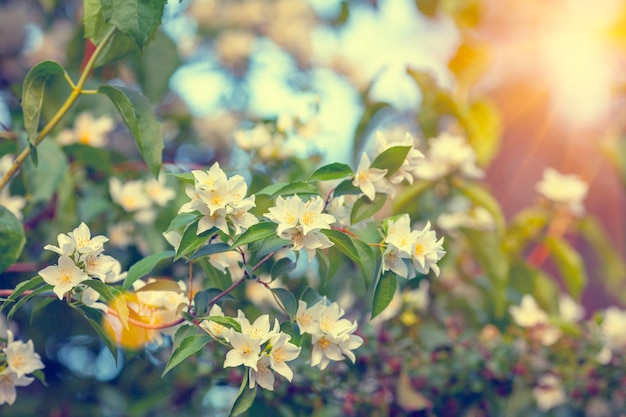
(16, 361)
(142, 198)
(301, 223)
(420, 247)
(332, 336)
(221, 201)
(258, 346)
(81, 257)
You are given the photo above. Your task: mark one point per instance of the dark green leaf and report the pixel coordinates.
(211, 249)
(36, 292)
(12, 238)
(244, 399)
(33, 93)
(384, 292)
(182, 221)
(94, 318)
(42, 181)
(191, 240)
(190, 345)
(332, 171)
(201, 302)
(138, 114)
(101, 288)
(41, 376)
(346, 187)
(256, 232)
(21, 288)
(297, 187)
(291, 328)
(181, 333)
(364, 208)
(310, 296)
(144, 266)
(369, 261)
(343, 242)
(138, 19)
(391, 159)
(570, 265)
(287, 299)
(281, 267)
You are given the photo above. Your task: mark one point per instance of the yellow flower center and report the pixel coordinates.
(326, 324)
(279, 355)
(307, 218)
(419, 249)
(84, 138)
(255, 333)
(323, 343)
(65, 276)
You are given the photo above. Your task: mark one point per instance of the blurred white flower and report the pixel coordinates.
(21, 357)
(88, 131)
(14, 204)
(563, 189)
(8, 381)
(570, 310)
(448, 154)
(549, 392)
(528, 313)
(366, 178)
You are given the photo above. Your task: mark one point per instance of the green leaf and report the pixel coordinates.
(191, 240)
(182, 221)
(391, 159)
(244, 399)
(144, 266)
(297, 187)
(113, 296)
(211, 249)
(310, 296)
(342, 242)
(12, 238)
(287, 299)
(545, 291)
(384, 292)
(281, 267)
(291, 328)
(138, 114)
(364, 208)
(481, 197)
(190, 345)
(181, 333)
(570, 265)
(21, 288)
(186, 177)
(346, 187)
(369, 261)
(226, 321)
(41, 181)
(332, 171)
(94, 318)
(256, 232)
(138, 19)
(201, 302)
(36, 292)
(33, 93)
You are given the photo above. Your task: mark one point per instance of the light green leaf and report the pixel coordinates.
(244, 399)
(297, 187)
(364, 208)
(255, 233)
(138, 19)
(191, 240)
(391, 159)
(190, 345)
(342, 242)
(570, 265)
(182, 221)
(41, 182)
(144, 266)
(186, 177)
(138, 114)
(12, 238)
(332, 171)
(33, 93)
(287, 299)
(384, 292)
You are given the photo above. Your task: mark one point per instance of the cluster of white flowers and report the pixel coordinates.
(448, 154)
(221, 200)
(14, 204)
(16, 360)
(613, 333)
(259, 346)
(566, 190)
(88, 131)
(81, 257)
(332, 336)
(549, 392)
(463, 215)
(141, 197)
(421, 247)
(529, 315)
(301, 223)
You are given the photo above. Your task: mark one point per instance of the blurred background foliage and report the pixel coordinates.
(528, 84)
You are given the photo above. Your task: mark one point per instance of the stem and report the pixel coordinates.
(76, 92)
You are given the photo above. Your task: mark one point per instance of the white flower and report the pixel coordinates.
(205, 180)
(115, 274)
(312, 218)
(98, 265)
(549, 393)
(282, 352)
(325, 349)
(240, 218)
(88, 131)
(216, 219)
(350, 343)
(131, 195)
(366, 177)
(613, 328)
(528, 313)
(158, 192)
(262, 375)
(8, 381)
(64, 276)
(286, 213)
(400, 236)
(567, 190)
(308, 318)
(341, 208)
(393, 260)
(569, 309)
(215, 329)
(448, 154)
(174, 238)
(21, 357)
(331, 323)
(427, 251)
(259, 330)
(78, 240)
(245, 351)
(14, 204)
(90, 297)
